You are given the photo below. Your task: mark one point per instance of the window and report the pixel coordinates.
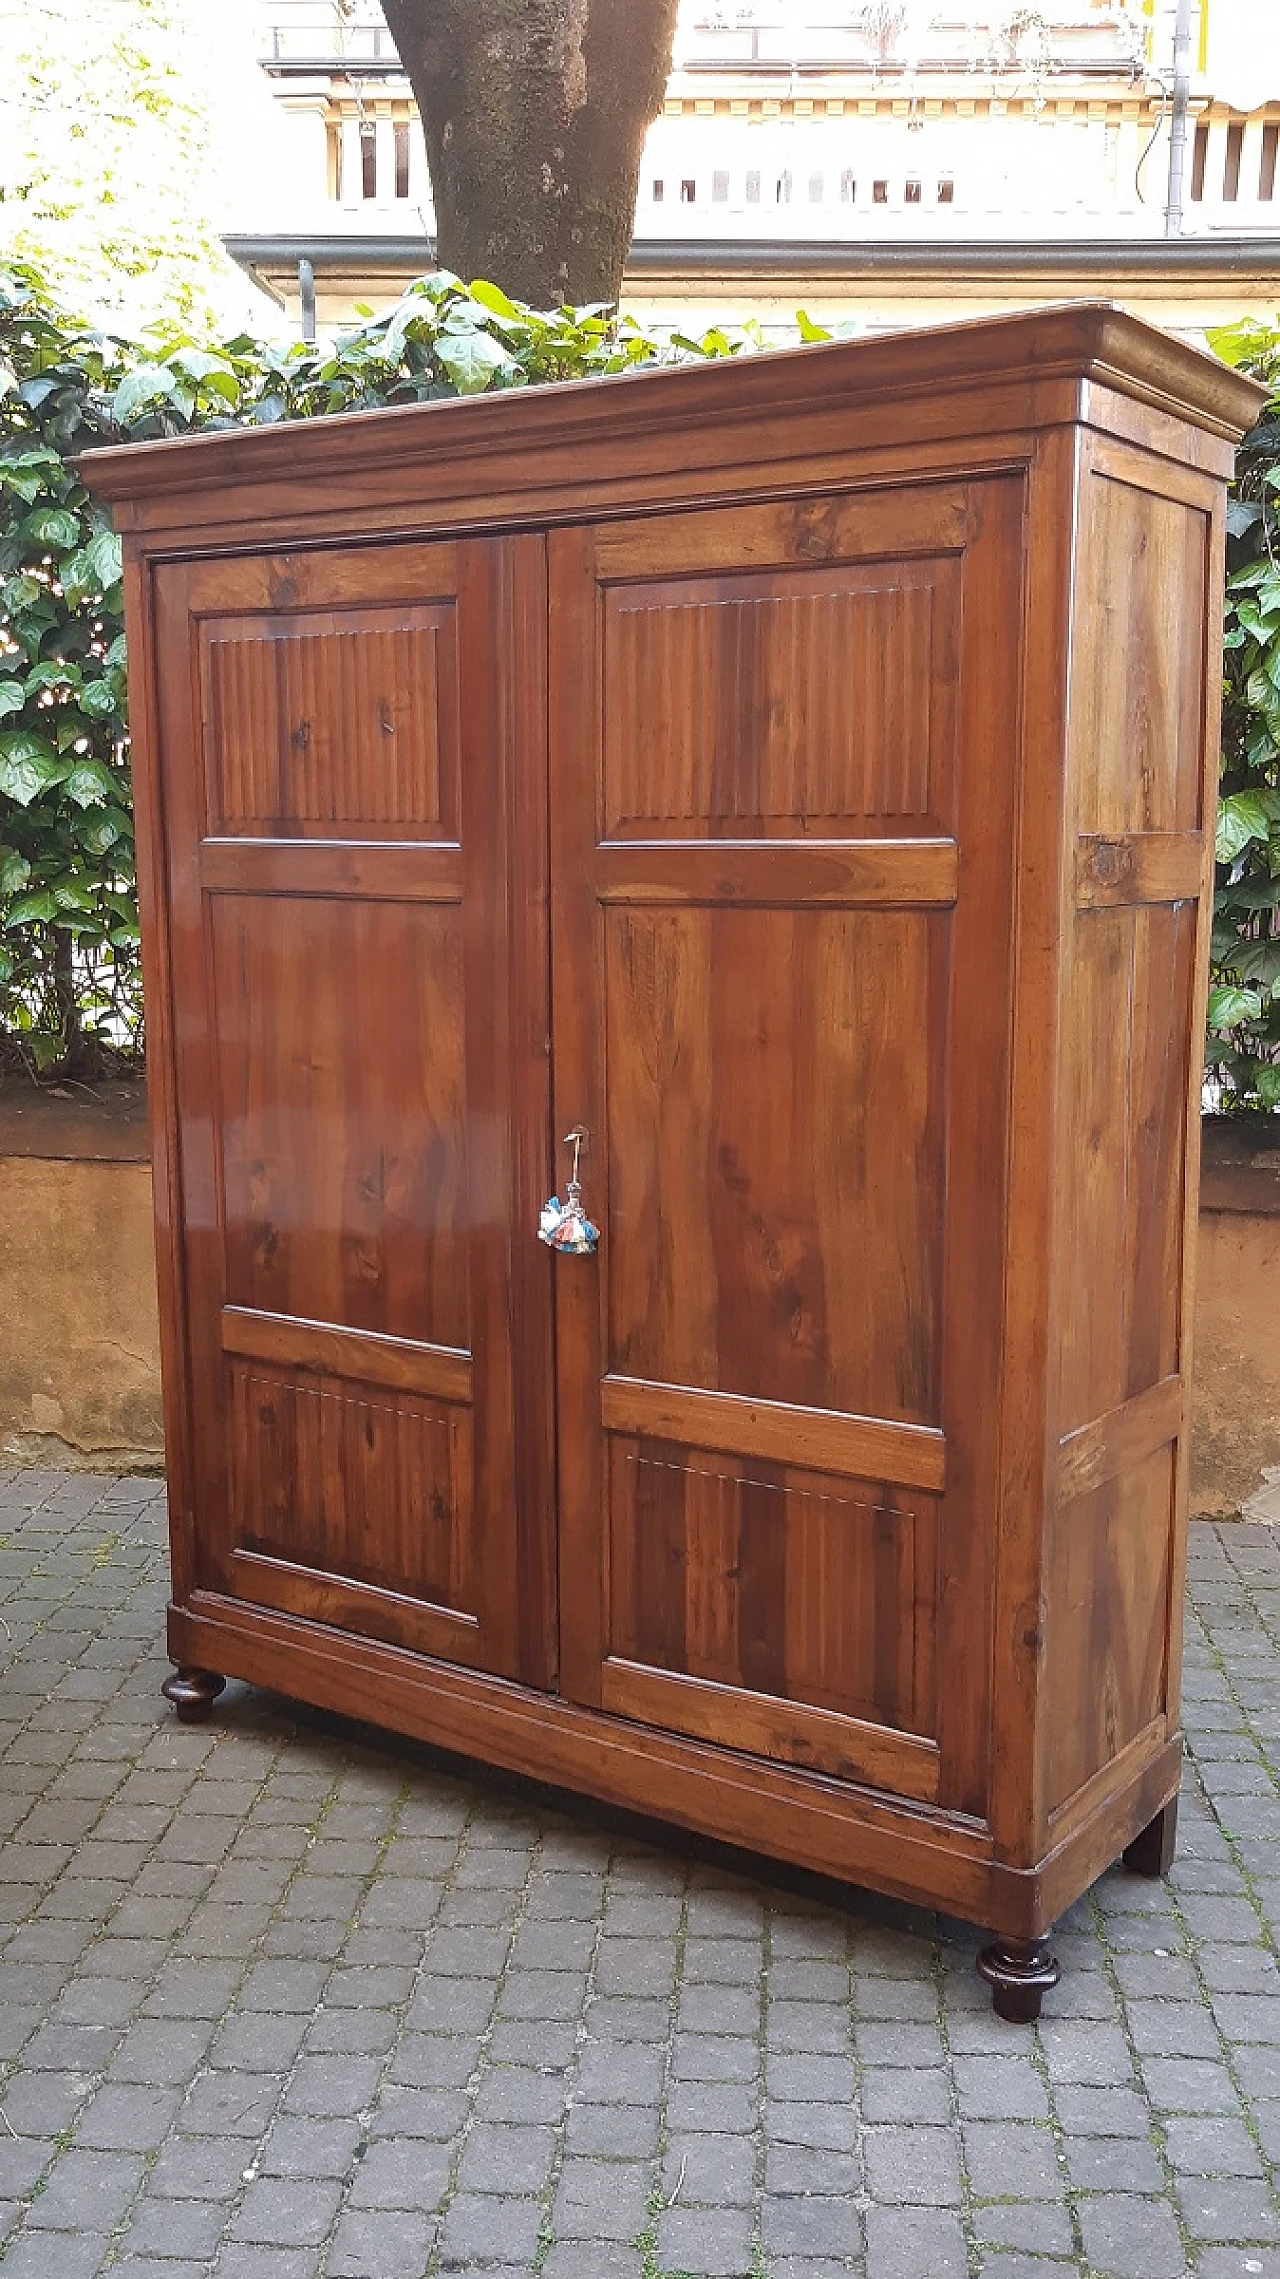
(368, 163)
(401, 135)
(1199, 156)
(880, 193)
(848, 187)
(784, 188)
(688, 192)
(913, 193)
(946, 191)
(1231, 169)
(659, 192)
(753, 187)
(719, 187)
(815, 189)
(1267, 170)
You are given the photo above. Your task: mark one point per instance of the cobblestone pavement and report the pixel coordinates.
(278, 2001)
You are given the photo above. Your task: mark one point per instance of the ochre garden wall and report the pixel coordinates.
(79, 1347)
(79, 1337)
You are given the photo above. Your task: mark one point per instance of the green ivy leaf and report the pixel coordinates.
(32, 909)
(15, 870)
(98, 698)
(90, 784)
(145, 385)
(1241, 818)
(53, 672)
(471, 359)
(12, 697)
(100, 830)
(1267, 1085)
(492, 297)
(53, 526)
(21, 592)
(28, 765)
(1229, 1005)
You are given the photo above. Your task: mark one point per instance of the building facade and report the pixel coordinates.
(873, 160)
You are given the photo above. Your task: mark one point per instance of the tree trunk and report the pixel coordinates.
(535, 114)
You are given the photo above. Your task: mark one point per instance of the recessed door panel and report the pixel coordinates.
(341, 1063)
(775, 1211)
(351, 802)
(781, 755)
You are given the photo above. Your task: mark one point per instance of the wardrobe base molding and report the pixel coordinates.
(921, 1855)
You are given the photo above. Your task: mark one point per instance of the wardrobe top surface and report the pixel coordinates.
(939, 374)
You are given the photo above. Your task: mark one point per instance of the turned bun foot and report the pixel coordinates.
(1151, 1852)
(1020, 1973)
(193, 1694)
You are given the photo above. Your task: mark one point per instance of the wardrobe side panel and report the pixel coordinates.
(1139, 848)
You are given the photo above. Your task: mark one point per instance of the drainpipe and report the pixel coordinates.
(1178, 120)
(307, 298)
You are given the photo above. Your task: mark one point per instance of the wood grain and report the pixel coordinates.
(1140, 866)
(860, 1447)
(804, 783)
(404, 1364)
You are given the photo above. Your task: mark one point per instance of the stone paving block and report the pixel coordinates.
(128, 2118)
(600, 2199)
(55, 2255)
(701, 2170)
(1015, 2159)
(22, 2160)
(86, 2192)
(390, 2243)
(925, 2240)
(1102, 2112)
(913, 2166)
(1229, 2208)
(479, 2228)
(299, 2146)
(802, 2080)
(810, 2226)
(899, 2094)
(1113, 2164)
(506, 2158)
(1000, 2089)
(435, 2061)
(609, 2259)
(257, 2261)
(257, 2041)
(1131, 2238)
(433, 2114)
(1239, 2263)
(614, 2132)
(1036, 2227)
(332, 2086)
(1189, 2085)
(705, 2241)
(352, 2033)
(179, 2228)
(1258, 2070)
(229, 2105)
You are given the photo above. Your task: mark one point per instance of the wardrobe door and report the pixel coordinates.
(782, 743)
(353, 778)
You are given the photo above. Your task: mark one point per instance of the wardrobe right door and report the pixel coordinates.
(782, 751)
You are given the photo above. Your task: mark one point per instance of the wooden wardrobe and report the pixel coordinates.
(796, 775)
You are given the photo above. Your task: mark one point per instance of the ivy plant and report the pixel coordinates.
(70, 988)
(1243, 1049)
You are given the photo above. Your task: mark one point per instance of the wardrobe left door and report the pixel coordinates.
(350, 774)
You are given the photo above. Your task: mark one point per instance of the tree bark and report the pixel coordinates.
(535, 114)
